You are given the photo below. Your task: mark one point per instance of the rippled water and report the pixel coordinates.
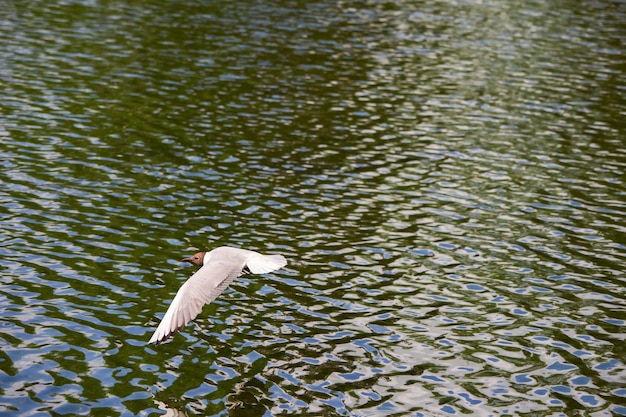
(446, 179)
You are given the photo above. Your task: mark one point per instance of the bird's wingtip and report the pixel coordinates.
(157, 338)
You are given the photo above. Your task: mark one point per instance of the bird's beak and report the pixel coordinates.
(187, 260)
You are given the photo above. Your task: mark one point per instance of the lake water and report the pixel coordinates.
(446, 178)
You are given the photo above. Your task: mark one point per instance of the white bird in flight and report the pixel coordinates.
(218, 268)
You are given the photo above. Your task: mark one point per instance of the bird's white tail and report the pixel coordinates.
(262, 264)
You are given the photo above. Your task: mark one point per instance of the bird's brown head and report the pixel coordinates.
(197, 259)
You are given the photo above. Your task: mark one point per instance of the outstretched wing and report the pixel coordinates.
(202, 288)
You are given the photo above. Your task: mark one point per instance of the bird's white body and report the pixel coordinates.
(219, 268)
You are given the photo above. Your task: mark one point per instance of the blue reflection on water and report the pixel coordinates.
(560, 366)
(523, 379)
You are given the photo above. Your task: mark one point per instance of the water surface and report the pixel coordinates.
(445, 178)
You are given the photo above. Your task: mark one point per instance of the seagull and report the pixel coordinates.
(218, 268)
